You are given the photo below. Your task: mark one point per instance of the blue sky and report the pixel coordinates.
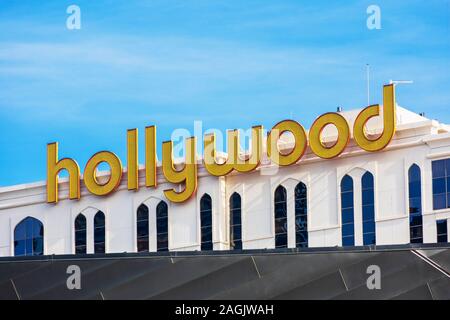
(231, 64)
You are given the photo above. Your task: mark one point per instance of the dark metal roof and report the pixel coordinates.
(407, 271)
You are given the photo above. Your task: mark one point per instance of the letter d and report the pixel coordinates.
(389, 120)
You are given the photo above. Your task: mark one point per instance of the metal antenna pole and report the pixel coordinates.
(368, 83)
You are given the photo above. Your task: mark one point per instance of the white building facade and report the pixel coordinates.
(419, 143)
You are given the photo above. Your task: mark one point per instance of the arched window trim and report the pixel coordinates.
(415, 204)
(280, 216)
(368, 208)
(206, 228)
(100, 233)
(26, 244)
(142, 228)
(301, 215)
(347, 197)
(80, 235)
(235, 222)
(162, 226)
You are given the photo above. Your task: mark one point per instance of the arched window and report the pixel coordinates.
(347, 211)
(301, 216)
(206, 222)
(280, 206)
(162, 229)
(235, 222)
(80, 234)
(29, 238)
(368, 209)
(415, 204)
(99, 232)
(142, 228)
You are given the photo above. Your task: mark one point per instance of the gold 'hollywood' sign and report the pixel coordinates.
(188, 174)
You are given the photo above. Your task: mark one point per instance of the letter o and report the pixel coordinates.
(300, 142)
(315, 142)
(90, 178)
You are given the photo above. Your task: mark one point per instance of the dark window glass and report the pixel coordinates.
(99, 232)
(301, 216)
(368, 209)
(19, 247)
(368, 196)
(348, 229)
(38, 246)
(368, 227)
(142, 245)
(237, 231)
(142, 228)
(415, 204)
(441, 226)
(29, 229)
(447, 167)
(206, 222)
(348, 241)
(162, 227)
(439, 201)
(280, 226)
(235, 222)
(347, 211)
(301, 206)
(302, 239)
(280, 206)
(162, 242)
(142, 213)
(236, 219)
(414, 186)
(29, 244)
(347, 184)
(281, 240)
(448, 200)
(347, 216)
(20, 233)
(368, 213)
(206, 238)
(415, 220)
(280, 210)
(416, 234)
(80, 234)
(347, 200)
(441, 184)
(99, 247)
(29, 238)
(369, 238)
(438, 168)
(161, 223)
(367, 181)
